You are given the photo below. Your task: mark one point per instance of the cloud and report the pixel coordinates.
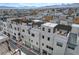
(39, 1)
(25, 4)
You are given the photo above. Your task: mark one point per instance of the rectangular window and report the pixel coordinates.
(36, 43)
(14, 33)
(4, 32)
(33, 35)
(28, 32)
(59, 44)
(48, 39)
(18, 29)
(14, 38)
(49, 47)
(31, 40)
(42, 44)
(49, 30)
(22, 36)
(23, 30)
(71, 47)
(43, 36)
(18, 33)
(15, 28)
(43, 29)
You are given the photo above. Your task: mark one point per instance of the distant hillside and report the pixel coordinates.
(24, 7)
(16, 6)
(62, 6)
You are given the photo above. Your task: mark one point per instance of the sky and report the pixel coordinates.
(40, 1)
(26, 4)
(37, 3)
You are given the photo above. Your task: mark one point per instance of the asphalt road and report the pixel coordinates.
(24, 50)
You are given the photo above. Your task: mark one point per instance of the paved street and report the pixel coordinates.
(23, 49)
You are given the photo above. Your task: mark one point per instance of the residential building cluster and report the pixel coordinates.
(46, 31)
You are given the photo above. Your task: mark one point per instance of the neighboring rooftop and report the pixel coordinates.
(64, 27)
(75, 25)
(50, 24)
(37, 20)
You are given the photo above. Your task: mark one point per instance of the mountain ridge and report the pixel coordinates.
(33, 7)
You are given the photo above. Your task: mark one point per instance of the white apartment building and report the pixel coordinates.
(59, 39)
(35, 35)
(47, 38)
(35, 39)
(25, 34)
(61, 34)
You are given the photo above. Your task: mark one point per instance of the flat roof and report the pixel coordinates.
(64, 27)
(36, 20)
(75, 25)
(50, 24)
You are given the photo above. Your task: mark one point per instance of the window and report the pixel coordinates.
(43, 29)
(15, 28)
(49, 47)
(36, 43)
(49, 30)
(42, 44)
(59, 44)
(18, 33)
(43, 36)
(49, 54)
(31, 40)
(28, 32)
(22, 36)
(18, 29)
(52, 9)
(71, 47)
(23, 30)
(77, 14)
(14, 33)
(4, 32)
(10, 25)
(33, 35)
(14, 38)
(44, 52)
(48, 39)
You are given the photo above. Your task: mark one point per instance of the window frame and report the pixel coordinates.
(43, 29)
(49, 30)
(33, 35)
(42, 36)
(48, 38)
(59, 44)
